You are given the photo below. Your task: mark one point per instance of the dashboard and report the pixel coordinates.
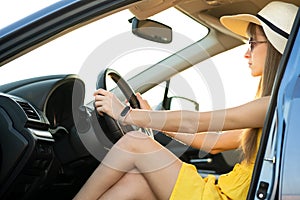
(40, 148)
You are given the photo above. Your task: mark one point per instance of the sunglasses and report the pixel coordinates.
(253, 43)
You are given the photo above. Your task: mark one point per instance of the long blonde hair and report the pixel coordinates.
(250, 136)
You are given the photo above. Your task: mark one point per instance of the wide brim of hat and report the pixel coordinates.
(239, 23)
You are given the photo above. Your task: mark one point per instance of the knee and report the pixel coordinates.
(132, 140)
(136, 135)
(133, 136)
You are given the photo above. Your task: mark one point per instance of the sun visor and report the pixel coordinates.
(148, 8)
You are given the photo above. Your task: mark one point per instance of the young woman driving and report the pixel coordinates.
(138, 167)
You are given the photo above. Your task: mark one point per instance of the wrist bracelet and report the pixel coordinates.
(124, 114)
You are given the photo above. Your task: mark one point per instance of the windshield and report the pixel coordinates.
(68, 53)
(112, 40)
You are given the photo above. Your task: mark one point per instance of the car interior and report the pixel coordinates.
(51, 137)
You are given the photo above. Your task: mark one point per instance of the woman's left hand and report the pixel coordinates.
(143, 102)
(107, 102)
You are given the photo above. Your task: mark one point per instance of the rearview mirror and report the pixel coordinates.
(151, 30)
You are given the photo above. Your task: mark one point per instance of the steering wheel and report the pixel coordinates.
(112, 129)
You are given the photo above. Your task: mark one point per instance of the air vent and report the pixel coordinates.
(29, 110)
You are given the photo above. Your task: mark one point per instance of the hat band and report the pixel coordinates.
(273, 27)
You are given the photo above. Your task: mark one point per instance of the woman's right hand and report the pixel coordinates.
(107, 102)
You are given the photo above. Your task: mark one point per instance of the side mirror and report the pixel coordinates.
(151, 30)
(177, 102)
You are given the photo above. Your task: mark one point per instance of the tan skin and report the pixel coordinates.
(138, 167)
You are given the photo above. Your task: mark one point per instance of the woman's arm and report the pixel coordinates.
(249, 115)
(211, 142)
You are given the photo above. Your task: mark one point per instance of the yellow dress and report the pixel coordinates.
(234, 185)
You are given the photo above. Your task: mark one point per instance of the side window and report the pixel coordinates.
(209, 85)
(216, 83)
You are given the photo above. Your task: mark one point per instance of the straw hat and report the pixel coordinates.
(276, 18)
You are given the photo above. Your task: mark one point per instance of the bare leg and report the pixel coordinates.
(134, 151)
(131, 186)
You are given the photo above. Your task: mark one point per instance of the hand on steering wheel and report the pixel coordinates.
(107, 102)
(110, 106)
(143, 103)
